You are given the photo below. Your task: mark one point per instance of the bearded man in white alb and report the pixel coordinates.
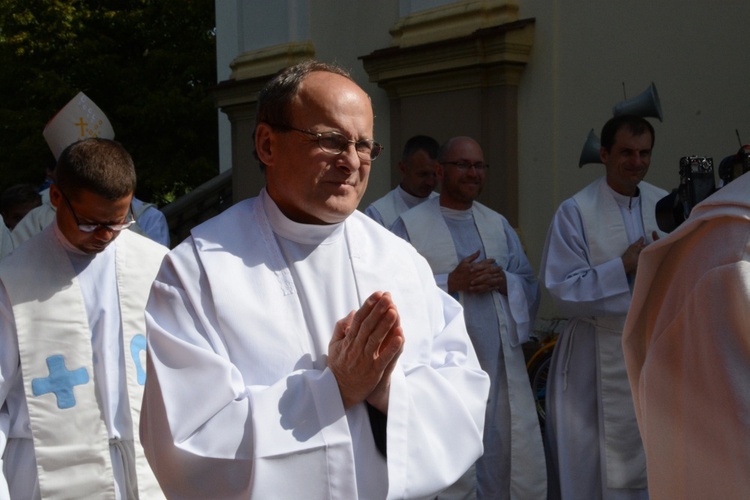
(476, 256)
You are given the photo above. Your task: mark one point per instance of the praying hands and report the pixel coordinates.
(474, 276)
(363, 352)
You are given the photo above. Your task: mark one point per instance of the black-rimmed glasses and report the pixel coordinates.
(465, 165)
(335, 143)
(90, 228)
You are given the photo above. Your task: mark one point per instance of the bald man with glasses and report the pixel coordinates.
(72, 344)
(477, 257)
(297, 349)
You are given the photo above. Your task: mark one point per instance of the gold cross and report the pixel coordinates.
(81, 124)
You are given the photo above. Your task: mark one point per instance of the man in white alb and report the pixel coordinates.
(418, 181)
(72, 339)
(588, 266)
(476, 256)
(297, 349)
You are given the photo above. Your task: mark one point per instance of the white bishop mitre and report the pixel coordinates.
(80, 119)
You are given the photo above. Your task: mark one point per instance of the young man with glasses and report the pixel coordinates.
(477, 257)
(72, 344)
(298, 350)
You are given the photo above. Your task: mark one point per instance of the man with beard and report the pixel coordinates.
(476, 256)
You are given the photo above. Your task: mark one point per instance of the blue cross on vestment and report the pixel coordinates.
(138, 345)
(60, 382)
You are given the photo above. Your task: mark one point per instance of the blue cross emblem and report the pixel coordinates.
(60, 382)
(137, 345)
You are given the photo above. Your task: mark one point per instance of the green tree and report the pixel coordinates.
(148, 64)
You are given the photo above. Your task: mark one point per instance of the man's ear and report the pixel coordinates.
(603, 155)
(264, 143)
(402, 167)
(55, 195)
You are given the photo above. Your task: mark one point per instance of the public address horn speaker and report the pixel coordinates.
(590, 151)
(644, 104)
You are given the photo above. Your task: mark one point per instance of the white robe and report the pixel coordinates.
(34, 221)
(6, 243)
(497, 325)
(591, 431)
(151, 221)
(104, 412)
(386, 210)
(687, 348)
(239, 401)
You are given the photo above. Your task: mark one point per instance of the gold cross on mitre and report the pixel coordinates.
(59, 133)
(81, 124)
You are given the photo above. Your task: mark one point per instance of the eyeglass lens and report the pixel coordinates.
(90, 228)
(335, 143)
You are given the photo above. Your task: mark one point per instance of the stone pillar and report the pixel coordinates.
(454, 70)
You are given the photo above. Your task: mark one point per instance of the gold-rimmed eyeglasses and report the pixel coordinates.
(335, 143)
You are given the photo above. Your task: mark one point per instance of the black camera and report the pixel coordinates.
(697, 179)
(697, 182)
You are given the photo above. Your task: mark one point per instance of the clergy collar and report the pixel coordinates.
(626, 201)
(409, 199)
(308, 234)
(452, 213)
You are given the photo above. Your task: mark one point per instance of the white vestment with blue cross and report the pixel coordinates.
(70, 435)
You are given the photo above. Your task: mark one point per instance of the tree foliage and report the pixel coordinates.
(148, 64)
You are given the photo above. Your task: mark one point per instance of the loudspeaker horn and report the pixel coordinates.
(644, 104)
(590, 151)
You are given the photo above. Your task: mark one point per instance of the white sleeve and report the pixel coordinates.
(8, 374)
(436, 410)
(578, 287)
(523, 290)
